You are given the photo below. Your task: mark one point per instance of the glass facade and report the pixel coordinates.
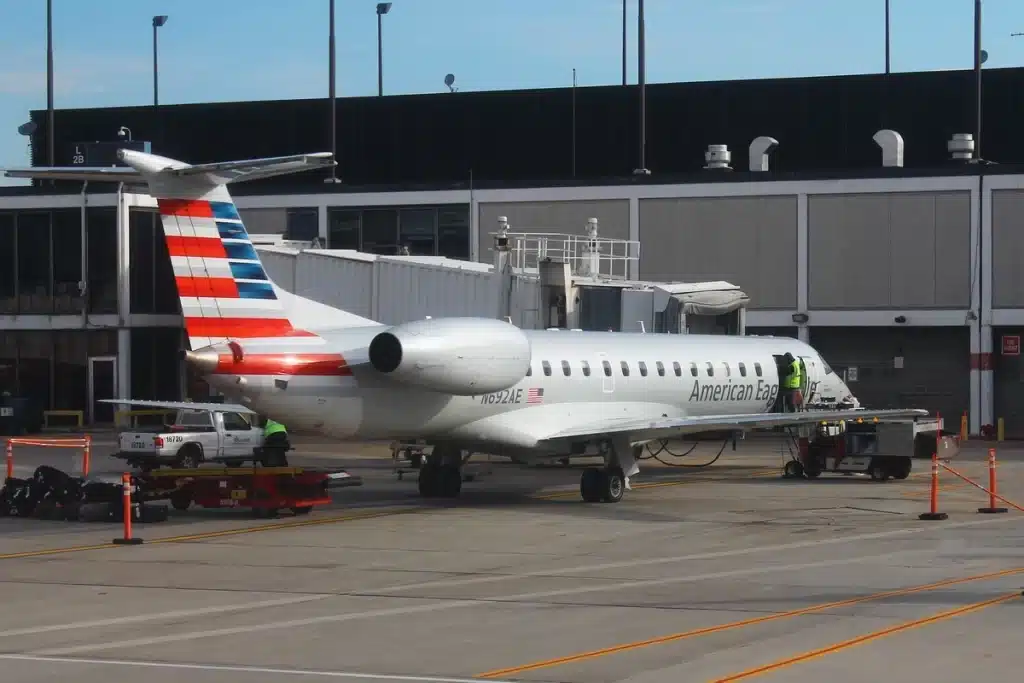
(151, 275)
(42, 255)
(423, 230)
(51, 367)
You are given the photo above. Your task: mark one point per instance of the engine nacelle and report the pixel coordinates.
(461, 356)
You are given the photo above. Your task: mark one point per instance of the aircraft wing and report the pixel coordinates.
(181, 405)
(646, 429)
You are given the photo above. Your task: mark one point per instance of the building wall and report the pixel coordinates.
(265, 221)
(558, 216)
(748, 241)
(894, 250)
(936, 365)
(1007, 248)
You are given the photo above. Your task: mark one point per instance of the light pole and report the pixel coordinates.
(642, 69)
(978, 60)
(50, 137)
(623, 42)
(382, 9)
(158, 21)
(887, 36)
(333, 178)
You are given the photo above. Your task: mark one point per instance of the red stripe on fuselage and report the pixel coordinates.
(220, 287)
(292, 364)
(196, 247)
(242, 328)
(185, 207)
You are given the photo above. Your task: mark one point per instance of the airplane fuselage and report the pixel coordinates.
(573, 375)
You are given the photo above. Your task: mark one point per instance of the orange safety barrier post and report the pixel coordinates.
(991, 493)
(933, 513)
(126, 498)
(85, 443)
(992, 507)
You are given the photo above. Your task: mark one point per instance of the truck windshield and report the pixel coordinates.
(194, 418)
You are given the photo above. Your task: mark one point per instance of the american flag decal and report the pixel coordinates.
(535, 395)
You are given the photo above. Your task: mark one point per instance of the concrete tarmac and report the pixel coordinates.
(723, 573)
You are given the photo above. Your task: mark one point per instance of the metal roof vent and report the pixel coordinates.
(961, 147)
(718, 157)
(891, 143)
(759, 150)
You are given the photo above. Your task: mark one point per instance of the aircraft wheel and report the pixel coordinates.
(429, 481)
(449, 481)
(794, 469)
(591, 484)
(614, 485)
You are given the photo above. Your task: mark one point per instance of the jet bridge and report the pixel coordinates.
(585, 284)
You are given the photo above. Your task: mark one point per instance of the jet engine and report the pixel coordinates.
(461, 356)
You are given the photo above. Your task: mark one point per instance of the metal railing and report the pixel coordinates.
(600, 257)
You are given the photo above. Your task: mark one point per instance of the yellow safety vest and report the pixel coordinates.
(794, 380)
(273, 428)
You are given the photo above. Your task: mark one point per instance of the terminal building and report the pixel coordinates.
(845, 211)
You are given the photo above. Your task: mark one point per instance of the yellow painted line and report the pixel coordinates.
(372, 514)
(868, 637)
(708, 630)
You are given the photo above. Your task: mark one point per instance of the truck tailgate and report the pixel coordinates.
(138, 442)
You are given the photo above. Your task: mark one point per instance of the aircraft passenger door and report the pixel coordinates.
(813, 375)
(607, 378)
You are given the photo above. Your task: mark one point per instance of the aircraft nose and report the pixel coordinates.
(204, 360)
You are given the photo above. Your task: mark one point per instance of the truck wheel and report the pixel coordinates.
(181, 501)
(189, 457)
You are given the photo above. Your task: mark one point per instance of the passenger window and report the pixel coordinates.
(728, 372)
(693, 369)
(676, 369)
(607, 368)
(661, 369)
(711, 370)
(743, 370)
(233, 422)
(625, 368)
(643, 369)
(586, 368)
(547, 368)
(566, 370)
(757, 369)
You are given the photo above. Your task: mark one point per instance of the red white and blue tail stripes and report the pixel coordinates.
(225, 292)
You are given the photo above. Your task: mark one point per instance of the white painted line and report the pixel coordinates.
(244, 669)
(629, 564)
(177, 614)
(456, 604)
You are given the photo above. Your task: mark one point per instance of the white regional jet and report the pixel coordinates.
(465, 385)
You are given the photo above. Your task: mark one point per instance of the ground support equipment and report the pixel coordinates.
(883, 449)
(266, 490)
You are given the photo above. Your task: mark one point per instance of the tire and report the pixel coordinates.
(794, 469)
(302, 511)
(591, 484)
(614, 485)
(181, 501)
(189, 457)
(879, 471)
(901, 468)
(429, 481)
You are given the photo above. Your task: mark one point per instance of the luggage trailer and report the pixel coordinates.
(884, 449)
(267, 490)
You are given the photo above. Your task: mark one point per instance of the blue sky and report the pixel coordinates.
(220, 50)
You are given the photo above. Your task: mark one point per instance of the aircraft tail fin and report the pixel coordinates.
(224, 290)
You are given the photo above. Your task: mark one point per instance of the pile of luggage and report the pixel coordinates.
(53, 494)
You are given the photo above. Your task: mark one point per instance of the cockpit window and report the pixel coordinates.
(824, 364)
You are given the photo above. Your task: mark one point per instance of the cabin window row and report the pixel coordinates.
(708, 369)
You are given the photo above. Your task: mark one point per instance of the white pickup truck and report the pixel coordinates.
(198, 436)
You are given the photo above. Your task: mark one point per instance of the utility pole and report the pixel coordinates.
(642, 69)
(333, 178)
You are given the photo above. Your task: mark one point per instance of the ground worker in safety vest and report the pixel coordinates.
(275, 444)
(792, 384)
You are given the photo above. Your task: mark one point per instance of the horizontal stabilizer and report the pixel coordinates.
(181, 405)
(104, 174)
(141, 167)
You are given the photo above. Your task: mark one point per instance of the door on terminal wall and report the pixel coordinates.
(1008, 380)
(102, 385)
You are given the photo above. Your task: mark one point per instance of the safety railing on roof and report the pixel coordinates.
(599, 257)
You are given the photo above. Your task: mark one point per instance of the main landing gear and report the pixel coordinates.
(441, 473)
(609, 483)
